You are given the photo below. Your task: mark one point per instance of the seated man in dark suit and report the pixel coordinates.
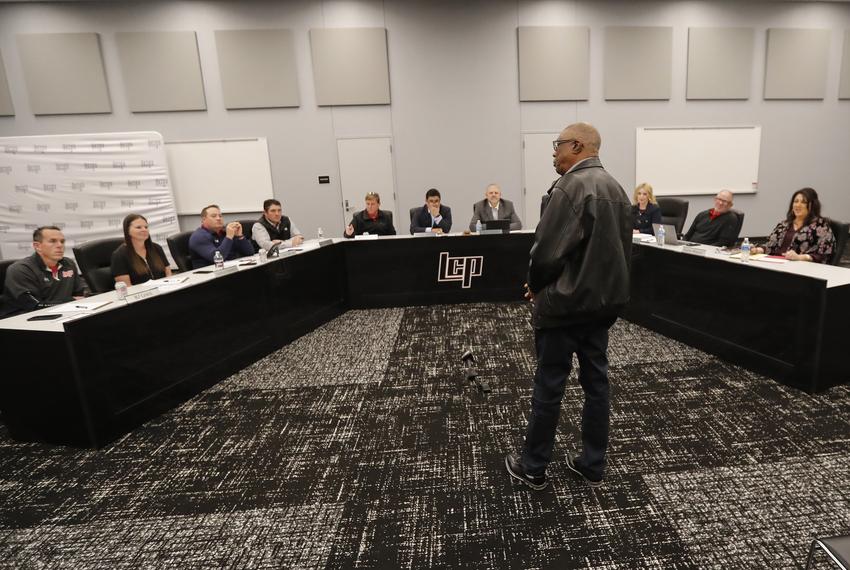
(717, 226)
(493, 207)
(213, 236)
(46, 277)
(373, 220)
(433, 216)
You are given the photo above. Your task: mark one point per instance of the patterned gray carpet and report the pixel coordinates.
(362, 446)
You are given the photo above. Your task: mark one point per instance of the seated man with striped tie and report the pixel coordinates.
(433, 216)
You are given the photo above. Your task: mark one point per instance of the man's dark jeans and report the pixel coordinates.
(555, 348)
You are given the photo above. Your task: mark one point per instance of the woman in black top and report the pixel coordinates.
(645, 209)
(138, 259)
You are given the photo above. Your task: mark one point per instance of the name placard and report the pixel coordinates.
(694, 250)
(325, 241)
(226, 271)
(139, 295)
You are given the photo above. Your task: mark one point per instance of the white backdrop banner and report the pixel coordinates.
(84, 184)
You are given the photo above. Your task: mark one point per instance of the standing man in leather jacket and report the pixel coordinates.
(578, 281)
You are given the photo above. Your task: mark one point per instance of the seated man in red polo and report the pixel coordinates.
(46, 277)
(717, 226)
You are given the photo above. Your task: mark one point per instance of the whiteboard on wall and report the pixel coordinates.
(698, 160)
(235, 174)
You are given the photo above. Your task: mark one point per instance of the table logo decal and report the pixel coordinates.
(461, 268)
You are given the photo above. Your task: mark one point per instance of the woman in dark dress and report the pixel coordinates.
(138, 259)
(645, 209)
(803, 235)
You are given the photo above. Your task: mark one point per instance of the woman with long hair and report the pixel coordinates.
(138, 259)
(803, 235)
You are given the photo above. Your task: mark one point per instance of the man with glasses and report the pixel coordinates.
(578, 281)
(718, 225)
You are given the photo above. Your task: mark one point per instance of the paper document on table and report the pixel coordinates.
(768, 258)
(643, 238)
(171, 280)
(78, 307)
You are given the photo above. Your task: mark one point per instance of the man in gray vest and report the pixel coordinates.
(273, 228)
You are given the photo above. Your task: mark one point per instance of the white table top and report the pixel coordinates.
(69, 311)
(833, 275)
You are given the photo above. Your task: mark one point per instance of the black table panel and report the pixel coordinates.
(112, 371)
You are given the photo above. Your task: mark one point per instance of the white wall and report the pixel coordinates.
(455, 115)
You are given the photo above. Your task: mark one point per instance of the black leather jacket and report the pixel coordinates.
(579, 269)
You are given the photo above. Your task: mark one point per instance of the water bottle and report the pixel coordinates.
(320, 234)
(262, 255)
(659, 235)
(478, 226)
(218, 260)
(745, 250)
(121, 290)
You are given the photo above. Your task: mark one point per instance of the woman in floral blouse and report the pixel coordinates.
(803, 235)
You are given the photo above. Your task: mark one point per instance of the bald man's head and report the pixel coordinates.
(575, 143)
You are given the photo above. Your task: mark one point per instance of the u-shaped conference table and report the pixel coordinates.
(89, 377)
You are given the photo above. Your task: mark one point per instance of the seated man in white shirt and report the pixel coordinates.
(493, 207)
(273, 228)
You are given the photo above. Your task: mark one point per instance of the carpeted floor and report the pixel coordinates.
(361, 446)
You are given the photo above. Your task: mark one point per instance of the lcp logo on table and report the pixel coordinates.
(460, 268)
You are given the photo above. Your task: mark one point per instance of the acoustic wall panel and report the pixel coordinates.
(720, 63)
(554, 63)
(638, 62)
(350, 66)
(257, 68)
(161, 70)
(64, 73)
(796, 64)
(844, 86)
(6, 108)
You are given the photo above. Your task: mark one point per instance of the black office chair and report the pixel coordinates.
(840, 231)
(674, 211)
(4, 265)
(740, 223)
(178, 245)
(836, 547)
(248, 231)
(94, 258)
(413, 212)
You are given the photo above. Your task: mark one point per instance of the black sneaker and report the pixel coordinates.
(515, 469)
(571, 464)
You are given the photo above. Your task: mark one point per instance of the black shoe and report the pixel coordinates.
(571, 464)
(517, 471)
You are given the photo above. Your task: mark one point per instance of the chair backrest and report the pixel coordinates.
(413, 212)
(840, 231)
(4, 265)
(178, 245)
(247, 231)
(740, 223)
(674, 211)
(836, 547)
(94, 258)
